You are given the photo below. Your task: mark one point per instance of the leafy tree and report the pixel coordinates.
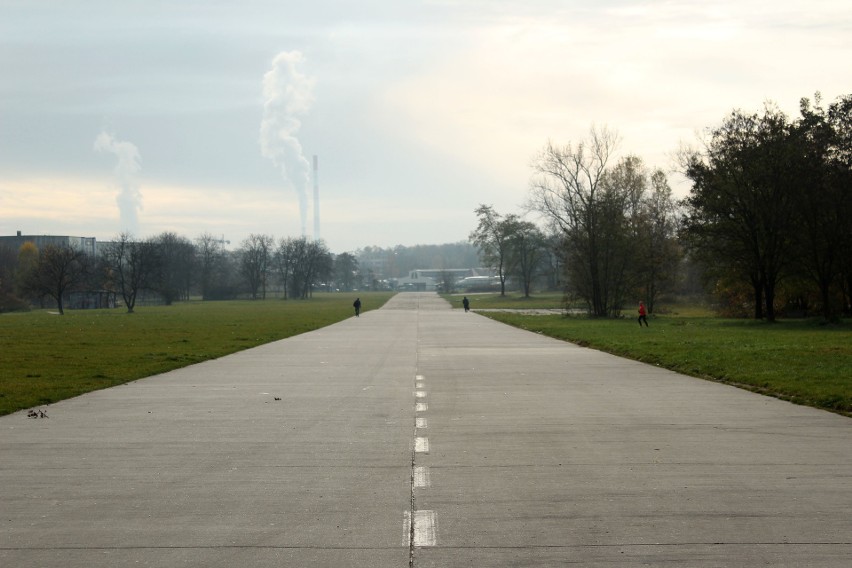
(345, 270)
(824, 203)
(622, 192)
(493, 238)
(740, 211)
(528, 251)
(659, 253)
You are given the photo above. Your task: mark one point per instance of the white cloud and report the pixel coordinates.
(656, 72)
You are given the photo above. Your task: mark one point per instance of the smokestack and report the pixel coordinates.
(128, 164)
(316, 199)
(287, 95)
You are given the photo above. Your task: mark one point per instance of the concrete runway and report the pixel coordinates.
(421, 436)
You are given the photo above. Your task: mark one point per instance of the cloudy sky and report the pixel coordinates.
(201, 116)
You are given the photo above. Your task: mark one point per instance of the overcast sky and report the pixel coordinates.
(200, 116)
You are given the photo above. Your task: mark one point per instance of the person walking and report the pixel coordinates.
(357, 305)
(466, 304)
(642, 314)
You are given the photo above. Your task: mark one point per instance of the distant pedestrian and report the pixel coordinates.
(466, 304)
(642, 314)
(357, 305)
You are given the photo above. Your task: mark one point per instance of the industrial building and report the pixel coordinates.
(89, 245)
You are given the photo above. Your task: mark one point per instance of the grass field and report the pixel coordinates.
(45, 358)
(797, 360)
(548, 300)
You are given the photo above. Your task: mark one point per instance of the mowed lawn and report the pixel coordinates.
(797, 360)
(45, 358)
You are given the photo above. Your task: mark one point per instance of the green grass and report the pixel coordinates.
(797, 360)
(553, 301)
(47, 358)
(512, 300)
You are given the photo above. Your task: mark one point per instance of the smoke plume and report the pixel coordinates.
(129, 198)
(287, 94)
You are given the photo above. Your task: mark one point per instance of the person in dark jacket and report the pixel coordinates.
(357, 305)
(466, 304)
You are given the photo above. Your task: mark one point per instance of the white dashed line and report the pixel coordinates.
(425, 528)
(421, 445)
(406, 529)
(422, 477)
(420, 527)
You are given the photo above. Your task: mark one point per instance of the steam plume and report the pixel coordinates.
(287, 94)
(129, 198)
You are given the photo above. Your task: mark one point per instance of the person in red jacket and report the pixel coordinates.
(642, 314)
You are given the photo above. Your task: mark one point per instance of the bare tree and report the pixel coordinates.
(255, 257)
(57, 271)
(177, 266)
(26, 263)
(9, 298)
(447, 282)
(131, 266)
(208, 256)
(567, 189)
(301, 264)
(322, 267)
(284, 261)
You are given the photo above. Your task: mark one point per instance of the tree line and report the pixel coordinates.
(767, 221)
(167, 268)
(767, 225)
(173, 268)
(770, 210)
(610, 230)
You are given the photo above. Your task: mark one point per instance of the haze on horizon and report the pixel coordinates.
(200, 117)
